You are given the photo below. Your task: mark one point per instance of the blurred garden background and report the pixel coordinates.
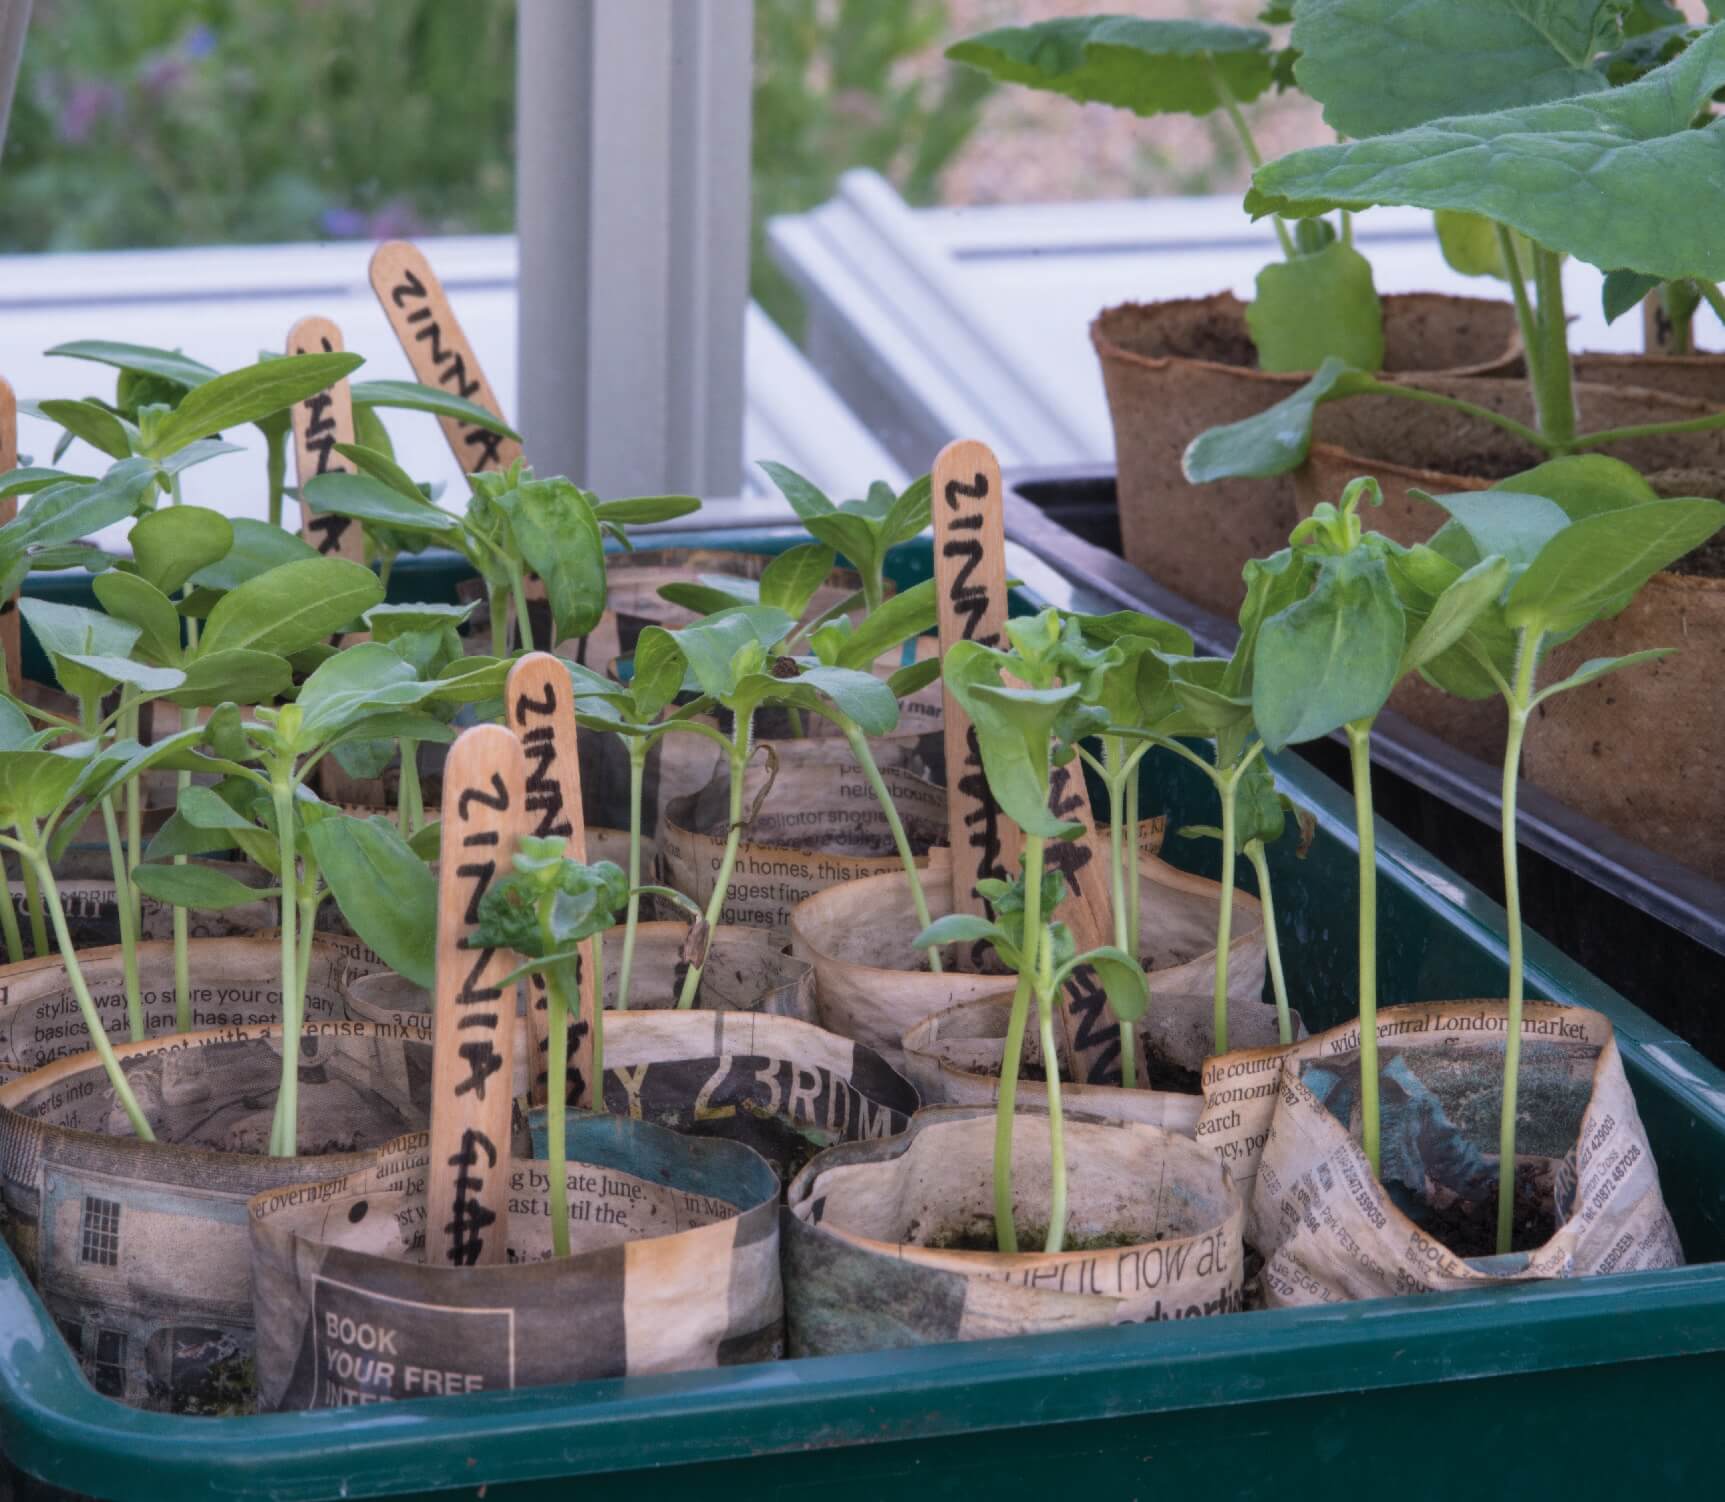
(199, 122)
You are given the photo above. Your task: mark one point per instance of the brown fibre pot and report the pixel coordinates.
(1589, 747)
(1174, 369)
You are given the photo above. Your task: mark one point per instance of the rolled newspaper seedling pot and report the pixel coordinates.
(674, 1266)
(858, 937)
(236, 982)
(744, 1065)
(954, 1058)
(86, 882)
(140, 1249)
(818, 825)
(1587, 1190)
(875, 1235)
(1178, 367)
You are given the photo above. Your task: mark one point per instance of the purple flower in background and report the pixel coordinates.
(343, 223)
(396, 220)
(85, 107)
(200, 41)
(162, 74)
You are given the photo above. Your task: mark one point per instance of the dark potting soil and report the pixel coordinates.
(1163, 1075)
(1706, 562)
(1469, 1228)
(1031, 1239)
(1221, 339)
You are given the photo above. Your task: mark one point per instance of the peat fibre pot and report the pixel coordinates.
(1665, 789)
(1173, 369)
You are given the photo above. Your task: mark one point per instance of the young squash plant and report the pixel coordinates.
(1605, 175)
(1318, 301)
(544, 910)
(1028, 708)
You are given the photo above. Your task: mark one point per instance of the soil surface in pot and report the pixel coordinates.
(1030, 1239)
(1163, 1075)
(1469, 1228)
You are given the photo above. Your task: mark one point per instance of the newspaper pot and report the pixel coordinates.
(817, 824)
(870, 1230)
(954, 1058)
(673, 1266)
(1666, 792)
(236, 983)
(1174, 368)
(86, 881)
(138, 1249)
(869, 984)
(1285, 1121)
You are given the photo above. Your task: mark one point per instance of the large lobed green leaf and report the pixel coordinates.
(1613, 178)
(1385, 65)
(1149, 67)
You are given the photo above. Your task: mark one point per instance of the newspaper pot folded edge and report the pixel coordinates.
(139, 1245)
(877, 1004)
(646, 1303)
(846, 1291)
(1259, 1114)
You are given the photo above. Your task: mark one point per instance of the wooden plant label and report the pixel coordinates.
(473, 1021)
(419, 312)
(970, 570)
(542, 714)
(9, 631)
(319, 423)
(970, 586)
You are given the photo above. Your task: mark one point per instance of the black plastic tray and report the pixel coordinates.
(1647, 926)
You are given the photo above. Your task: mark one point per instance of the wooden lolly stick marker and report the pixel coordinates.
(970, 570)
(542, 712)
(10, 640)
(319, 423)
(970, 589)
(473, 1021)
(414, 302)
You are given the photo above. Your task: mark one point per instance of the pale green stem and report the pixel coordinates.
(33, 899)
(182, 931)
(9, 918)
(1360, 759)
(1056, 1237)
(308, 907)
(740, 748)
(523, 622)
(1135, 876)
(1111, 757)
(1648, 430)
(1527, 659)
(638, 747)
(1554, 398)
(1232, 108)
(128, 921)
(1524, 314)
(38, 860)
(599, 1022)
(284, 1138)
(129, 726)
(385, 567)
(1225, 915)
(556, 1086)
(1272, 941)
(411, 801)
(275, 469)
(858, 743)
(1006, 1098)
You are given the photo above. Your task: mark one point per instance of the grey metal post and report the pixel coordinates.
(14, 22)
(632, 214)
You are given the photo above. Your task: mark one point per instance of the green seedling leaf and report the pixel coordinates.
(233, 674)
(245, 395)
(1316, 307)
(67, 632)
(97, 426)
(292, 606)
(257, 548)
(906, 615)
(1582, 484)
(553, 525)
(1122, 980)
(179, 837)
(1274, 441)
(1148, 67)
(71, 510)
(194, 454)
(353, 683)
(1470, 245)
(1606, 177)
(1593, 567)
(1384, 65)
(639, 511)
(711, 646)
(914, 677)
(857, 695)
(1623, 290)
(142, 359)
(372, 501)
(382, 467)
(1454, 612)
(410, 396)
(34, 785)
(128, 598)
(660, 668)
(33, 477)
(384, 889)
(1598, 667)
(116, 670)
(1509, 524)
(1331, 658)
(789, 582)
(962, 928)
(171, 545)
(195, 887)
(204, 808)
(387, 622)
